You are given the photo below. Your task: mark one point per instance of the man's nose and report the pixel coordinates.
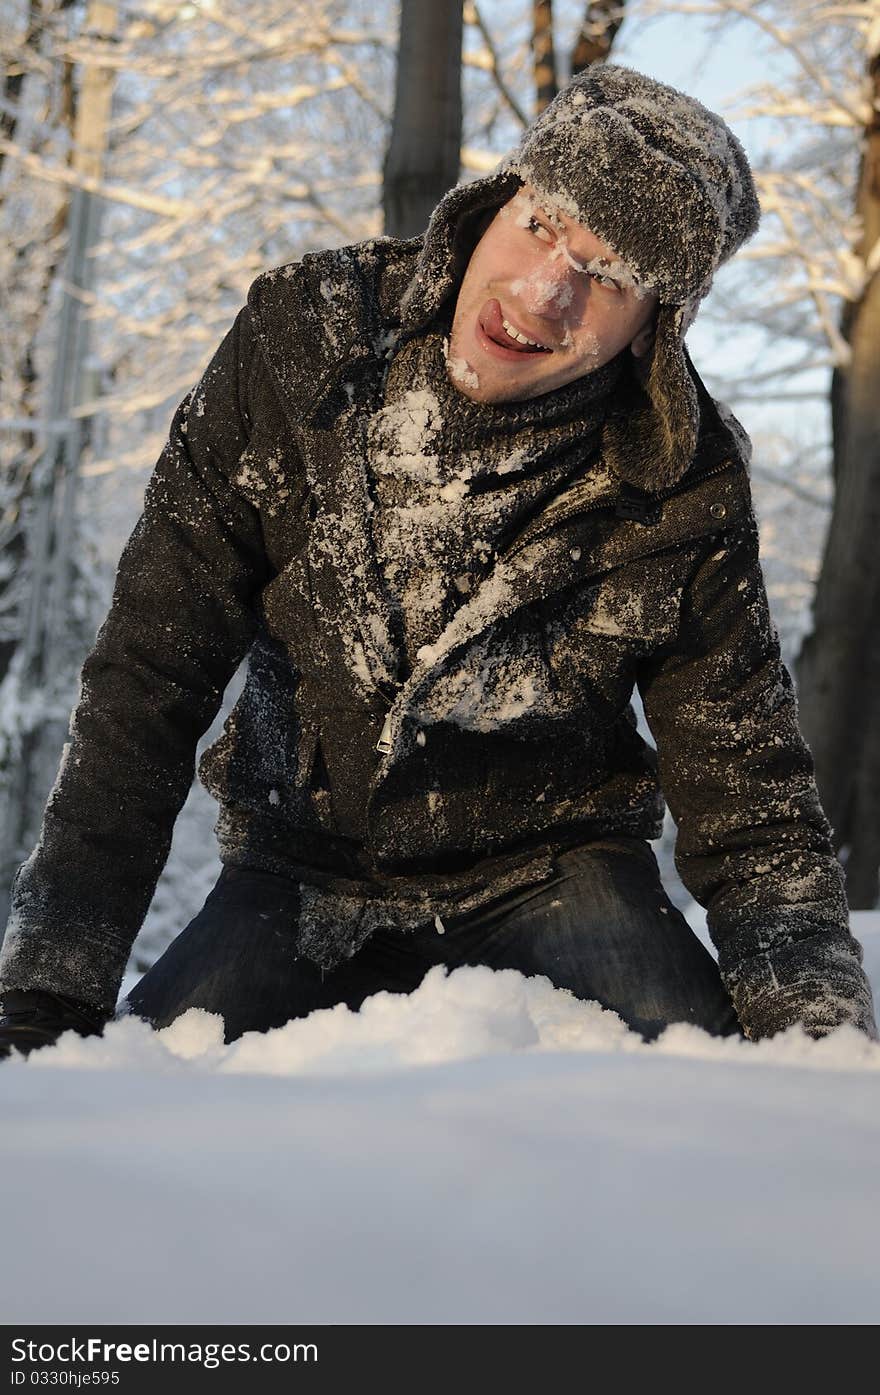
(552, 289)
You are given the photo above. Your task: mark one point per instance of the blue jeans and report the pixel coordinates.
(602, 927)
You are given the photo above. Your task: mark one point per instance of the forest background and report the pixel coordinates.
(156, 157)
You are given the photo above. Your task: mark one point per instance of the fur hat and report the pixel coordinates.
(662, 180)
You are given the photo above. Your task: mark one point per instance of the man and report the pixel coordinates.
(455, 497)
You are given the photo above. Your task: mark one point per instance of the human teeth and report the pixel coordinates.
(520, 338)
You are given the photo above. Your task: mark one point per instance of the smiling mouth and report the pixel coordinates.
(522, 339)
(504, 335)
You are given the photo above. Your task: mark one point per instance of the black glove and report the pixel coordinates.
(33, 1017)
(818, 1008)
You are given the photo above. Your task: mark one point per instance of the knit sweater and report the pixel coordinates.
(452, 479)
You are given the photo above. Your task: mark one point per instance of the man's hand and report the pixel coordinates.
(34, 1017)
(818, 1012)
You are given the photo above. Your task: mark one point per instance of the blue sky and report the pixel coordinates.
(684, 51)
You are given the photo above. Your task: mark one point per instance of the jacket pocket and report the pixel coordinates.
(642, 611)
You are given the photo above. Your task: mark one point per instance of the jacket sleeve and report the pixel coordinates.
(754, 846)
(181, 620)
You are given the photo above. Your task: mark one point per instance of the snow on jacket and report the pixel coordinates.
(513, 736)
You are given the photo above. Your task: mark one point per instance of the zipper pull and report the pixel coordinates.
(635, 504)
(383, 745)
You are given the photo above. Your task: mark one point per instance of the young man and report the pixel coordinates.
(454, 498)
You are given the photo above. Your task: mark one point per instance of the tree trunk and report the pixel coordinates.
(600, 24)
(543, 54)
(839, 664)
(425, 147)
(597, 33)
(864, 856)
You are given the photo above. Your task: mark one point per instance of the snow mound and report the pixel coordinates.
(466, 1014)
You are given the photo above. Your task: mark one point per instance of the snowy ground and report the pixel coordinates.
(485, 1150)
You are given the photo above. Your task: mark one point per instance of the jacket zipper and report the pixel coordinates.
(384, 744)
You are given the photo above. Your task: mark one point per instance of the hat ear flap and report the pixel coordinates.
(650, 437)
(456, 225)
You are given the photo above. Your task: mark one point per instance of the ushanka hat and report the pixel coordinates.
(662, 180)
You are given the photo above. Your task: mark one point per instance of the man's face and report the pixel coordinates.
(542, 275)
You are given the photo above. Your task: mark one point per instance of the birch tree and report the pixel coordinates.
(231, 149)
(41, 569)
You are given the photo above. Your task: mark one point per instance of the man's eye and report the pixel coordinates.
(539, 229)
(607, 281)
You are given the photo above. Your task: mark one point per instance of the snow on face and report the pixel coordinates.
(543, 301)
(460, 371)
(530, 206)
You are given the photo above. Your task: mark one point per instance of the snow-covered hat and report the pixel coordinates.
(662, 180)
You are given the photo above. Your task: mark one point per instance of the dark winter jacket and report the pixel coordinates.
(513, 736)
